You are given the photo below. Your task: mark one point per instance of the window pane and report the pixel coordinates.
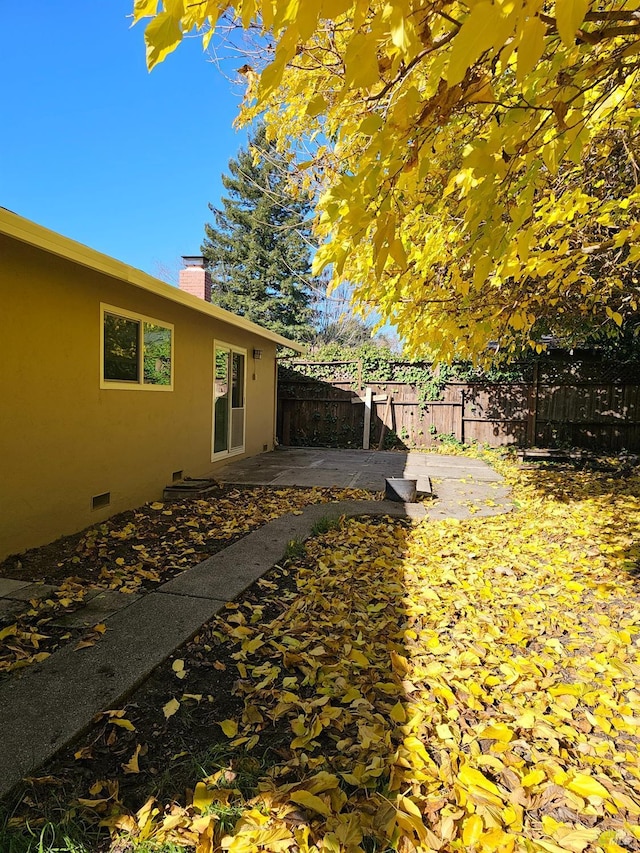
(237, 387)
(121, 345)
(237, 428)
(157, 355)
(221, 401)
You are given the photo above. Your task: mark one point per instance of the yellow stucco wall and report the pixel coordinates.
(63, 439)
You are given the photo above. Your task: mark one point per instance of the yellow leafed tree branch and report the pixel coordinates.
(475, 164)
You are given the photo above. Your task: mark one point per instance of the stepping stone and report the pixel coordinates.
(99, 606)
(9, 585)
(190, 489)
(31, 590)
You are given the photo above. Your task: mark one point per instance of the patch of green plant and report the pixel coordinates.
(243, 773)
(48, 837)
(295, 550)
(371, 364)
(227, 814)
(324, 525)
(448, 439)
(391, 439)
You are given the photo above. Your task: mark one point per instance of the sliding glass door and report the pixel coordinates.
(228, 399)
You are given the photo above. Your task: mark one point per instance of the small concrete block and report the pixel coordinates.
(400, 489)
(548, 453)
(423, 486)
(9, 585)
(30, 591)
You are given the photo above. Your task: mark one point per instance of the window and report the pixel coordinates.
(137, 351)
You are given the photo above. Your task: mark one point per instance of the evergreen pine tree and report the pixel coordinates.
(258, 248)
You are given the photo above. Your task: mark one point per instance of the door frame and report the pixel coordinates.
(230, 349)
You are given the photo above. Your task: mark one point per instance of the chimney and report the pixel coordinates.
(194, 278)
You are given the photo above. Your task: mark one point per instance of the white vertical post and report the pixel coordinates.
(368, 401)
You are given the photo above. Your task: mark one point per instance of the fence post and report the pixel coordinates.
(368, 403)
(388, 416)
(461, 430)
(533, 408)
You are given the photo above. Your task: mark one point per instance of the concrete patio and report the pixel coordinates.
(460, 484)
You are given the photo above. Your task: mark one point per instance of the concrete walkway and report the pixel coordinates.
(46, 707)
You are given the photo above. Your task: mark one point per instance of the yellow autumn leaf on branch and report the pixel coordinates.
(569, 15)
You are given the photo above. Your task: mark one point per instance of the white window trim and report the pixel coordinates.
(236, 451)
(140, 385)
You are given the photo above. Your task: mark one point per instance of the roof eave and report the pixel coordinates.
(56, 244)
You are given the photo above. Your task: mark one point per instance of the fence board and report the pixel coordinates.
(549, 410)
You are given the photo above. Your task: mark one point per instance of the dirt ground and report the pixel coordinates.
(132, 553)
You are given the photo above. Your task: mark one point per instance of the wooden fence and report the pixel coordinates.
(551, 407)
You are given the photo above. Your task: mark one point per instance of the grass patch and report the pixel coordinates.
(50, 837)
(324, 525)
(295, 550)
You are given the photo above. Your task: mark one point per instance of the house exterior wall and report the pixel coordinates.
(63, 439)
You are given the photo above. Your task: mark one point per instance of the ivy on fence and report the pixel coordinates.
(369, 365)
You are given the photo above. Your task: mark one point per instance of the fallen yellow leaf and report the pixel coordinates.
(229, 727)
(132, 766)
(311, 802)
(170, 708)
(587, 786)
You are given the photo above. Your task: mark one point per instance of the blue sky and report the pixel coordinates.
(98, 149)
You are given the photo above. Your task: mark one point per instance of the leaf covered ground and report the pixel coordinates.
(131, 553)
(439, 687)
